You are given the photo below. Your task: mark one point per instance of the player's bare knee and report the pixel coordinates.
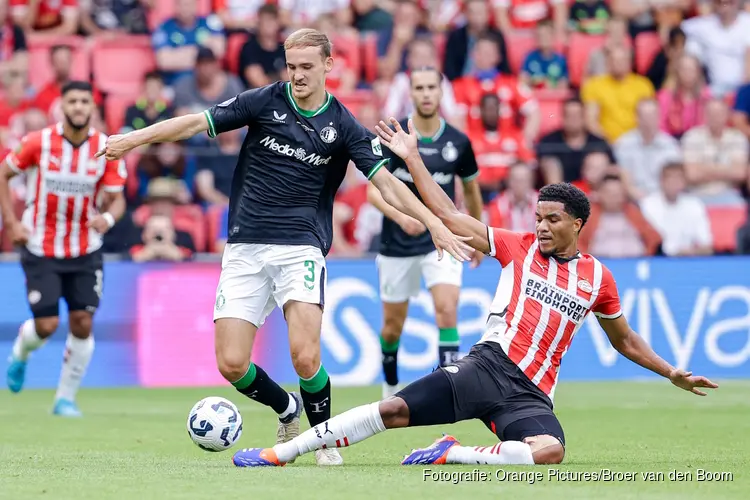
(306, 361)
(395, 412)
(231, 364)
(45, 327)
(392, 328)
(546, 449)
(445, 315)
(80, 323)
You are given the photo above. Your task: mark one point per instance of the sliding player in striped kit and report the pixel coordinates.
(508, 379)
(74, 198)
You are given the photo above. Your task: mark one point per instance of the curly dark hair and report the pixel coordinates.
(573, 199)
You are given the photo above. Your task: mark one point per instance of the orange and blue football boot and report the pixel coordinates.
(437, 453)
(256, 457)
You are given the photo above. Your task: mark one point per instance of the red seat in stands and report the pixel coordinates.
(725, 221)
(40, 67)
(120, 63)
(647, 46)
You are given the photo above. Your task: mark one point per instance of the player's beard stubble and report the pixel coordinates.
(82, 124)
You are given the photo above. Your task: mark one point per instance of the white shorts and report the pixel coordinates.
(400, 276)
(255, 278)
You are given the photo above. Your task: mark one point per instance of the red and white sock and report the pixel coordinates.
(27, 341)
(350, 427)
(78, 354)
(505, 453)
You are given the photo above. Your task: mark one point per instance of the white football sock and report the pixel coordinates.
(78, 353)
(505, 453)
(291, 408)
(27, 341)
(350, 427)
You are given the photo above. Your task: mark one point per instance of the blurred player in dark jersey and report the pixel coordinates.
(73, 199)
(507, 381)
(407, 253)
(299, 143)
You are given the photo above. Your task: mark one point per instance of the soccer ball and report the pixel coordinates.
(214, 424)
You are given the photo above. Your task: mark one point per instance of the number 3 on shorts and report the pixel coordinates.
(310, 275)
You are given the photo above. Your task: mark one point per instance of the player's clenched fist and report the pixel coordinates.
(117, 146)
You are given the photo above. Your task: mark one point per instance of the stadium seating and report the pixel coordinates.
(647, 46)
(213, 223)
(114, 110)
(235, 42)
(165, 9)
(725, 221)
(550, 109)
(119, 64)
(39, 47)
(519, 45)
(369, 47)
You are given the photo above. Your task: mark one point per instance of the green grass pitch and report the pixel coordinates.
(133, 444)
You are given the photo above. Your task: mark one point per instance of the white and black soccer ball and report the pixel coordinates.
(214, 424)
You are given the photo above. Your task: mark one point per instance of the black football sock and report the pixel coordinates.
(448, 346)
(390, 361)
(316, 396)
(257, 385)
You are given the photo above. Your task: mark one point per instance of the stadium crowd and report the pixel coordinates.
(643, 104)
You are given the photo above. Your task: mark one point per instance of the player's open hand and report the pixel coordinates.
(19, 234)
(689, 382)
(445, 240)
(116, 147)
(399, 141)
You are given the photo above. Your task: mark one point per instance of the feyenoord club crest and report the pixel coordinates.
(328, 135)
(450, 153)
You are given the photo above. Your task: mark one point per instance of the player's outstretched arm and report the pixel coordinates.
(404, 145)
(397, 195)
(172, 130)
(632, 346)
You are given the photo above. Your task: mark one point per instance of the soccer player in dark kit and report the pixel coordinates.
(300, 140)
(508, 379)
(406, 252)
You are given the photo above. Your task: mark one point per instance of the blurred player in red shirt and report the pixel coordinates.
(517, 104)
(512, 15)
(547, 289)
(51, 17)
(74, 198)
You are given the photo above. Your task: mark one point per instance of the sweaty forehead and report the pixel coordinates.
(303, 55)
(549, 208)
(424, 78)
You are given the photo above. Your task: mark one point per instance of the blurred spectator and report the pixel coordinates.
(113, 17)
(368, 115)
(651, 15)
(616, 36)
(596, 166)
(741, 112)
(398, 102)
(167, 160)
(516, 100)
(444, 15)
(561, 152)
(160, 241)
(589, 16)
(14, 57)
(262, 59)
(213, 182)
(369, 16)
(515, 208)
(681, 107)
(208, 85)
(408, 21)
(177, 40)
(611, 99)
(721, 41)
(239, 15)
(644, 151)
(680, 218)
(460, 45)
(48, 99)
(149, 109)
(513, 15)
(303, 13)
(496, 151)
(14, 103)
(616, 227)
(356, 222)
(716, 157)
(49, 17)
(544, 68)
(663, 70)
(343, 78)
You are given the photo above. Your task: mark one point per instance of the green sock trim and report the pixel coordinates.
(389, 346)
(449, 336)
(316, 382)
(247, 379)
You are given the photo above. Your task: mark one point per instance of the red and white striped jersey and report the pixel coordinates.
(63, 185)
(540, 304)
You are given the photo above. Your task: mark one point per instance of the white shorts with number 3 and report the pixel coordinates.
(255, 278)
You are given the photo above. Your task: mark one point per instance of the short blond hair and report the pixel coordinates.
(308, 37)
